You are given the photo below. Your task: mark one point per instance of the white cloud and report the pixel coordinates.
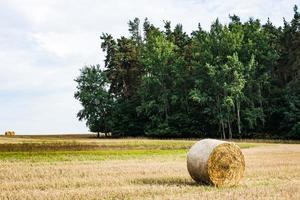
(65, 44)
(44, 43)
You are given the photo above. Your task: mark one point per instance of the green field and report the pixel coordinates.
(35, 149)
(83, 167)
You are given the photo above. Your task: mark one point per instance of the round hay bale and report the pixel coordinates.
(10, 133)
(216, 162)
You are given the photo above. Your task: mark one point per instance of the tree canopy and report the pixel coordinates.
(237, 80)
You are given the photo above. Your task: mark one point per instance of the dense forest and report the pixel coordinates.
(237, 80)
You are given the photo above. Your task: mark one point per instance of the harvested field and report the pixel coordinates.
(135, 169)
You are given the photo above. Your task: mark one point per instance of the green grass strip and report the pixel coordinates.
(106, 154)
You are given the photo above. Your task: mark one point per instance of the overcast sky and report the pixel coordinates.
(44, 43)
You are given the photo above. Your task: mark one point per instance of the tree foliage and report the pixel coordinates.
(94, 97)
(239, 79)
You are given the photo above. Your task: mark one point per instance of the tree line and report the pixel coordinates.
(237, 80)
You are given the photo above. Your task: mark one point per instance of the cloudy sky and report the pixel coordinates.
(44, 43)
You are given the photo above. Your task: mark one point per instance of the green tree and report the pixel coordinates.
(287, 76)
(239, 79)
(124, 72)
(92, 93)
(158, 57)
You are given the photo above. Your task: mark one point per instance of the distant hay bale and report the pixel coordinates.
(10, 133)
(216, 162)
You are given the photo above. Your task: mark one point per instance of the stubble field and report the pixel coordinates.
(86, 168)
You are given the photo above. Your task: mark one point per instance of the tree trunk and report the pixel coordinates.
(260, 103)
(238, 117)
(98, 134)
(223, 130)
(166, 105)
(229, 130)
(221, 120)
